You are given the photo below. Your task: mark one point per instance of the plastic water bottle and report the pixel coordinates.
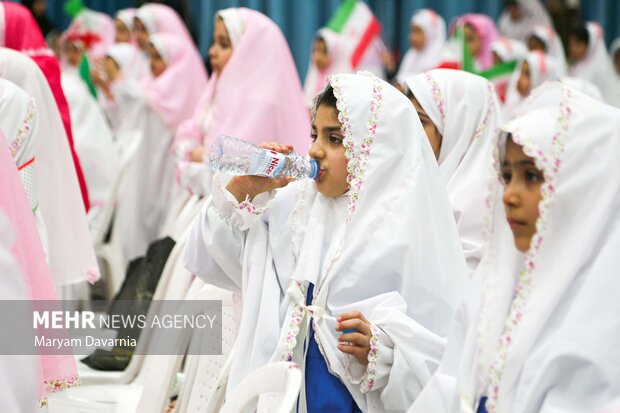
(233, 156)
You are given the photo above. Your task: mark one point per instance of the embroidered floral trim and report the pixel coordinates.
(490, 105)
(56, 385)
(248, 206)
(293, 326)
(550, 167)
(93, 275)
(24, 130)
(436, 91)
(357, 156)
(368, 382)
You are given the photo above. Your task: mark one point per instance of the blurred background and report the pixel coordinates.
(299, 19)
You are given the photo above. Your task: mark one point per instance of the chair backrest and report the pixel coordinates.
(203, 373)
(273, 388)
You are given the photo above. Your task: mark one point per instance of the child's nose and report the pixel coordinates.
(511, 195)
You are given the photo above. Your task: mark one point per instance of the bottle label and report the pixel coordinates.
(272, 165)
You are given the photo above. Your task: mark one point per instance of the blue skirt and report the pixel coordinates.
(324, 391)
(482, 407)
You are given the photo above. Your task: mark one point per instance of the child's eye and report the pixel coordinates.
(533, 177)
(335, 140)
(506, 177)
(313, 137)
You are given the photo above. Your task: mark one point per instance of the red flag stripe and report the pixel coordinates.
(373, 30)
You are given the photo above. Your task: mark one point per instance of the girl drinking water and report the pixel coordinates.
(345, 275)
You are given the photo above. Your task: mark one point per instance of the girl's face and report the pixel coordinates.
(320, 55)
(617, 62)
(522, 181)
(221, 49)
(524, 84)
(417, 38)
(142, 35)
(327, 149)
(534, 43)
(72, 53)
(473, 40)
(123, 34)
(433, 135)
(577, 49)
(158, 64)
(111, 68)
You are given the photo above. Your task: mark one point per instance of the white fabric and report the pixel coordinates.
(93, 139)
(234, 24)
(542, 69)
(149, 188)
(583, 86)
(17, 373)
(553, 45)
(148, 19)
(509, 49)
(465, 110)
(561, 354)
(18, 121)
(71, 255)
(338, 63)
(596, 66)
(127, 16)
(534, 13)
(418, 61)
(386, 259)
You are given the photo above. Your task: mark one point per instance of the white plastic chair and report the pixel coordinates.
(153, 375)
(270, 389)
(205, 375)
(110, 253)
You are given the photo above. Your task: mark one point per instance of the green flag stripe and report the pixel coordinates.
(339, 19)
(499, 70)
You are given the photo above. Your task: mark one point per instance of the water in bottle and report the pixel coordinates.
(233, 156)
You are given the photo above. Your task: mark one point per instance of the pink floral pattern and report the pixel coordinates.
(436, 92)
(368, 382)
(293, 326)
(490, 105)
(357, 156)
(550, 167)
(54, 386)
(24, 130)
(248, 206)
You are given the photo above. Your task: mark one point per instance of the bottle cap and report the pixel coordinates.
(314, 169)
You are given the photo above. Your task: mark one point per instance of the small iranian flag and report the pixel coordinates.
(358, 26)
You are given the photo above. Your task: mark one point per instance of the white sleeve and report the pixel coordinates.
(216, 242)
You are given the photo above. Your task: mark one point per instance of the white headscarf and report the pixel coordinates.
(534, 13)
(552, 313)
(542, 69)
(338, 64)
(509, 49)
(418, 61)
(553, 45)
(71, 255)
(234, 24)
(393, 252)
(596, 66)
(465, 110)
(127, 16)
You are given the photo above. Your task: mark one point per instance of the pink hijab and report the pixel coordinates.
(175, 93)
(57, 371)
(258, 96)
(159, 18)
(486, 29)
(19, 31)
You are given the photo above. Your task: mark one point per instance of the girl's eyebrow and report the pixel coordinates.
(329, 129)
(521, 162)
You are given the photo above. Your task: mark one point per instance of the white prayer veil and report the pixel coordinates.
(551, 315)
(465, 110)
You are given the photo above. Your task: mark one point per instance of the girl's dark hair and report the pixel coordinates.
(580, 32)
(326, 98)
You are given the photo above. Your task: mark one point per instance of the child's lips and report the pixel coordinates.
(515, 223)
(320, 175)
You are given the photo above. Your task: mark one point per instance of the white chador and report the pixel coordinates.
(545, 333)
(93, 139)
(467, 129)
(388, 248)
